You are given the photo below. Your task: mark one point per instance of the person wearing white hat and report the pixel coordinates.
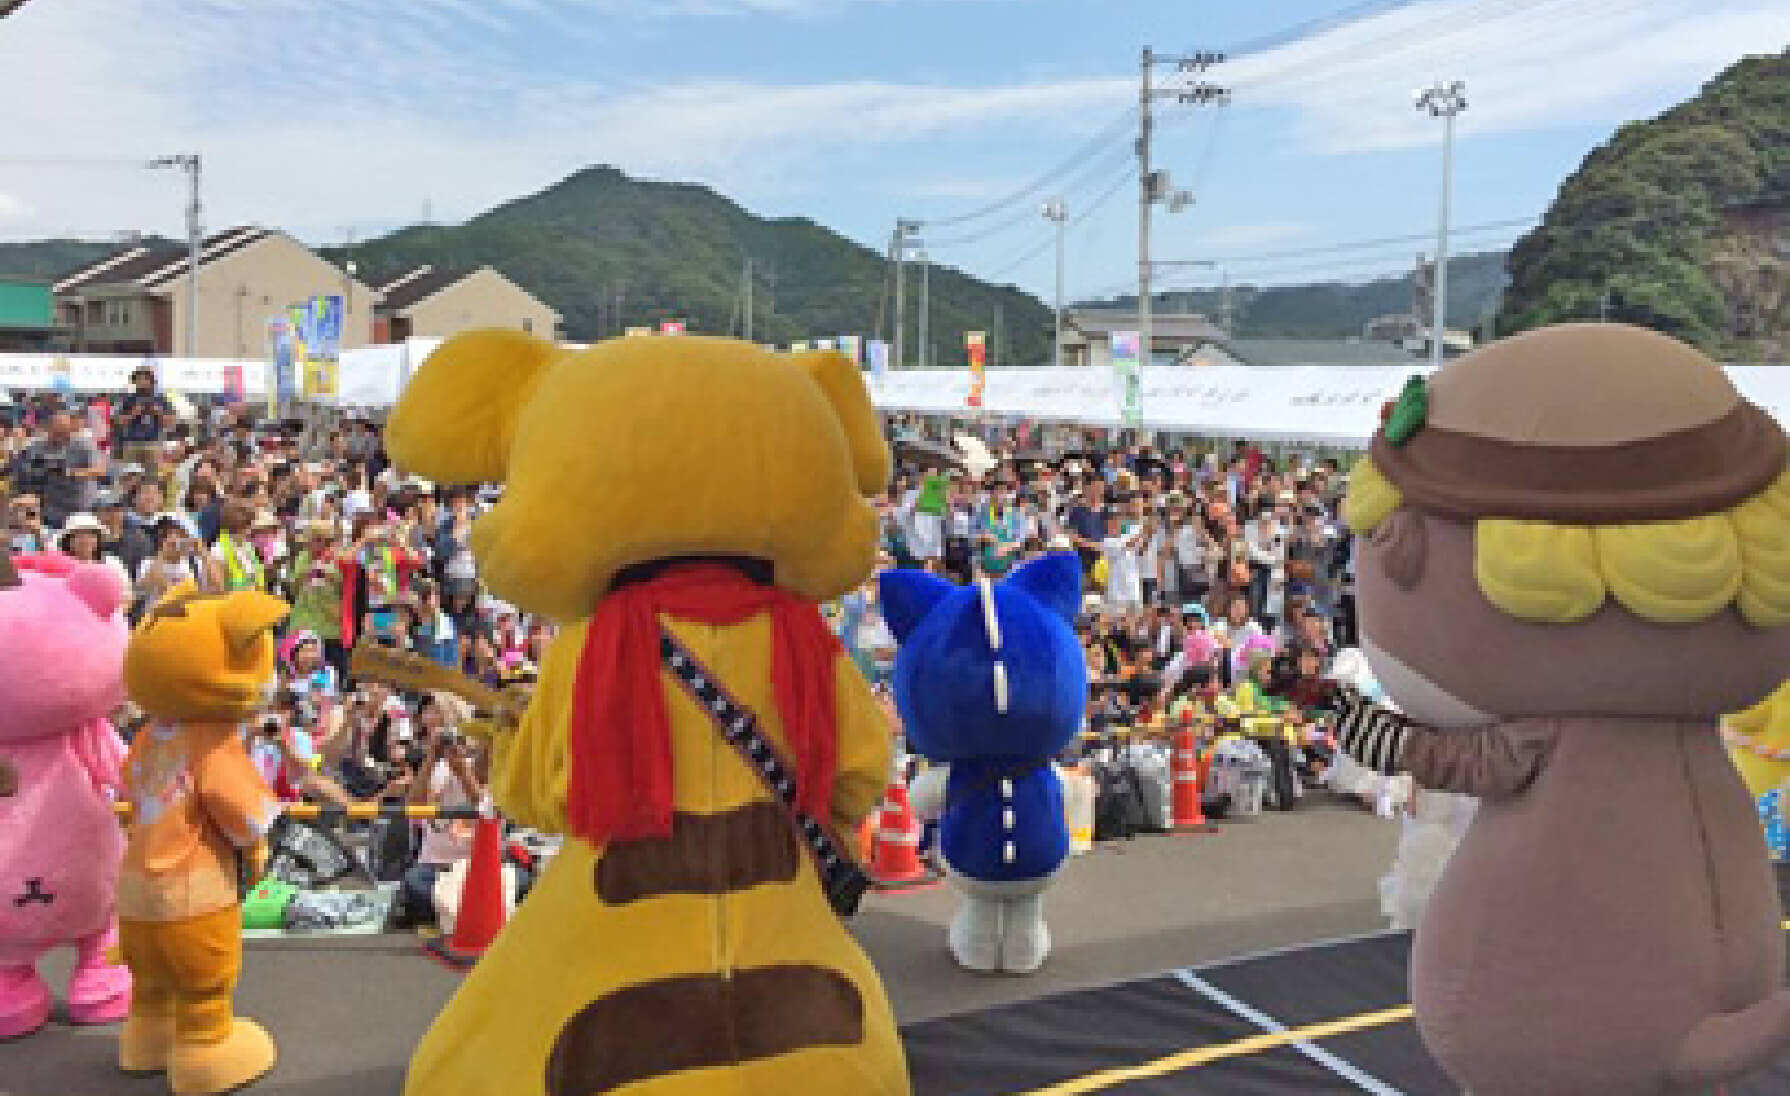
(80, 538)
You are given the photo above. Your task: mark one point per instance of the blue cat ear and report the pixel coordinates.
(907, 596)
(1054, 580)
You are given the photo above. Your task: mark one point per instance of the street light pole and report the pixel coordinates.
(1442, 101)
(1058, 213)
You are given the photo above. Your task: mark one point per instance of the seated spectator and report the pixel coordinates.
(448, 776)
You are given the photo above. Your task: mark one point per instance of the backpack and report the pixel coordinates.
(1120, 812)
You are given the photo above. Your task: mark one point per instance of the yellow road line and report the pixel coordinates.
(1199, 1056)
(1254, 1044)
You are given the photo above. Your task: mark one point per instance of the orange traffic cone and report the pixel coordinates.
(1184, 771)
(481, 900)
(897, 858)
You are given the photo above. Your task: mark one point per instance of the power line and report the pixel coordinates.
(1104, 136)
(1310, 28)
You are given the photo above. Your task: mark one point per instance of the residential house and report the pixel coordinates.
(435, 302)
(135, 300)
(1087, 335)
(28, 317)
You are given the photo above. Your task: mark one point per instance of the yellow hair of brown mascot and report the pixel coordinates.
(680, 505)
(198, 665)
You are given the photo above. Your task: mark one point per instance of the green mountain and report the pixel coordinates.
(678, 251)
(1677, 223)
(1334, 310)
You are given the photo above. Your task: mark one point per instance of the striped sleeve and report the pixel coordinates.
(1372, 735)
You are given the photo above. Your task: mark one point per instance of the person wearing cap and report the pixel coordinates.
(1573, 562)
(121, 538)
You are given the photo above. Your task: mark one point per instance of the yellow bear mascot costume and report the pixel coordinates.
(198, 665)
(668, 498)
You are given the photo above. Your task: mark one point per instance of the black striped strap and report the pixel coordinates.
(1372, 735)
(840, 875)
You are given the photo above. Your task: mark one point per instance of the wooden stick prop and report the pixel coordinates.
(408, 670)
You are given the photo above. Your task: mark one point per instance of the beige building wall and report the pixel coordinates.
(483, 298)
(240, 292)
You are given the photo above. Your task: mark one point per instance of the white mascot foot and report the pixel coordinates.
(975, 934)
(1026, 942)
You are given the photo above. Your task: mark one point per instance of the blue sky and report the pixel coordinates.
(330, 117)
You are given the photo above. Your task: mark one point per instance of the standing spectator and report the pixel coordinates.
(1120, 549)
(81, 538)
(314, 581)
(25, 524)
(178, 558)
(234, 552)
(142, 421)
(61, 469)
(130, 543)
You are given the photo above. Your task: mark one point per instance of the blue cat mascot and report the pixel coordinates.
(991, 684)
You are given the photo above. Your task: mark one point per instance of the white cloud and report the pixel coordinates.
(12, 209)
(1527, 64)
(392, 114)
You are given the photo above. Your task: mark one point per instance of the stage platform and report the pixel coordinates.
(1230, 914)
(1331, 1017)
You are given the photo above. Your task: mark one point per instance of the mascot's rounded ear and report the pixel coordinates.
(906, 597)
(844, 387)
(1053, 580)
(456, 418)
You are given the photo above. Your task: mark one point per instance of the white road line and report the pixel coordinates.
(1363, 1080)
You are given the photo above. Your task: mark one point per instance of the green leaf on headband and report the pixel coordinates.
(1408, 414)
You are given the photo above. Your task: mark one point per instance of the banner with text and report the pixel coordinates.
(975, 344)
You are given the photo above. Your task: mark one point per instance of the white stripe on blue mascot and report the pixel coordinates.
(991, 684)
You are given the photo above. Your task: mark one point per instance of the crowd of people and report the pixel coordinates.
(1212, 575)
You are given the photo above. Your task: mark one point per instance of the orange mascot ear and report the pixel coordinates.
(247, 615)
(844, 388)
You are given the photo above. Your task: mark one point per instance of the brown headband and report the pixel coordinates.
(1688, 473)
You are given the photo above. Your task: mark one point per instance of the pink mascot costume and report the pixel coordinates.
(62, 641)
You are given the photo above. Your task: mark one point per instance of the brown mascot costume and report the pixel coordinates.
(1575, 556)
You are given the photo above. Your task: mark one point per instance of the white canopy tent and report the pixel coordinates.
(1309, 404)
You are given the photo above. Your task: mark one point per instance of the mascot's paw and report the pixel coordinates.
(99, 994)
(24, 1002)
(145, 1044)
(1025, 944)
(207, 1069)
(975, 935)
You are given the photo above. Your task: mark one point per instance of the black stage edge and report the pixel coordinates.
(1051, 1040)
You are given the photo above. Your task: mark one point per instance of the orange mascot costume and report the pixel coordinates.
(199, 665)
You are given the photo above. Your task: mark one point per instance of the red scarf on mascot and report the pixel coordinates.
(620, 788)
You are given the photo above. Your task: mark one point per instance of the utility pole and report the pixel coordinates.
(1442, 101)
(1000, 332)
(747, 286)
(926, 348)
(189, 163)
(898, 245)
(1058, 214)
(1153, 186)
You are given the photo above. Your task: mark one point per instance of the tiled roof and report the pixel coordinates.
(408, 289)
(154, 267)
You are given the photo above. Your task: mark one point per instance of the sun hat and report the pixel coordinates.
(79, 523)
